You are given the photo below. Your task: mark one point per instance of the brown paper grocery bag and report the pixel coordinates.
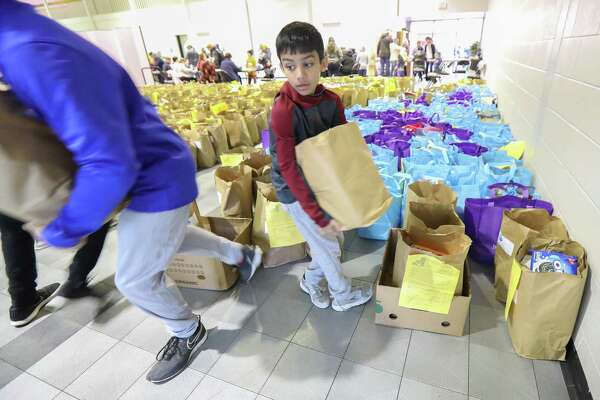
(542, 315)
(258, 162)
(237, 129)
(519, 225)
(36, 169)
(428, 192)
(234, 188)
(206, 156)
(339, 168)
(360, 96)
(262, 120)
(273, 256)
(219, 137)
(451, 248)
(433, 218)
(194, 151)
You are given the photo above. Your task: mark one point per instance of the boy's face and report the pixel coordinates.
(303, 70)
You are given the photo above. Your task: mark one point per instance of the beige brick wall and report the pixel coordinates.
(544, 62)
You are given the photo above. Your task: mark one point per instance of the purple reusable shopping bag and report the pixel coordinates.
(265, 139)
(483, 219)
(472, 149)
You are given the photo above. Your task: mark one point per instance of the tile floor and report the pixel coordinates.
(266, 341)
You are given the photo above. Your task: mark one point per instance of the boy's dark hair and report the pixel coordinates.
(299, 37)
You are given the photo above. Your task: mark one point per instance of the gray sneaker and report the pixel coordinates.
(318, 295)
(360, 294)
(173, 358)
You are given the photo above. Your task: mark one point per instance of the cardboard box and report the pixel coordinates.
(389, 313)
(454, 244)
(189, 269)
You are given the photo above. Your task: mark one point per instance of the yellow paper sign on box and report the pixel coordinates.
(231, 159)
(281, 227)
(219, 108)
(428, 284)
(515, 149)
(515, 277)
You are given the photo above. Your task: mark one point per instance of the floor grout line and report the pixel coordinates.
(345, 352)
(283, 353)
(404, 364)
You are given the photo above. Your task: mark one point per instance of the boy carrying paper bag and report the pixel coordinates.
(304, 110)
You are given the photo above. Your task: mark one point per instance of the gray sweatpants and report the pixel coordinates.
(325, 252)
(147, 244)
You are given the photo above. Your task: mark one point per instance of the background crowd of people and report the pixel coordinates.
(392, 56)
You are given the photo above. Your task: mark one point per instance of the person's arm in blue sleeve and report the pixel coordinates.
(83, 102)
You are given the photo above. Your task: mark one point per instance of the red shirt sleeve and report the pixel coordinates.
(285, 144)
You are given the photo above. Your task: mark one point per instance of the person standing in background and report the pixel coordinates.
(264, 59)
(429, 55)
(334, 57)
(207, 70)
(251, 67)
(383, 52)
(363, 61)
(419, 60)
(394, 56)
(231, 69)
(191, 56)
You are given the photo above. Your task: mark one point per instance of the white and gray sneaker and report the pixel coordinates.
(360, 294)
(318, 295)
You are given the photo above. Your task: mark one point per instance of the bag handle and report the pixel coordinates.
(204, 222)
(524, 189)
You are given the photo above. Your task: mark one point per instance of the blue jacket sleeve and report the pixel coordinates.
(82, 100)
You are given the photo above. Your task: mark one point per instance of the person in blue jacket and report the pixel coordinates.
(123, 150)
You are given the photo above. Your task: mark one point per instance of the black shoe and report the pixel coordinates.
(173, 358)
(252, 259)
(21, 316)
(76, 290)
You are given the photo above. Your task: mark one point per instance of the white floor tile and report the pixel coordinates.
(113, 374)
(378, 346)
(302, 374)
(70, 359)
(151, 335)
(215, 389)
(177, 389)
(219, 340)
(249, 360)
(357, 382)
(499, 375)
(64, 396)
(327, 330)
(438, 360)
(413, 390)
(236, 307)
(27, 387)
(550, 381)
(488, 328)
(119, 320)
(279, 317)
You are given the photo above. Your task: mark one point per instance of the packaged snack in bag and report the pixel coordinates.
(551, 261)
